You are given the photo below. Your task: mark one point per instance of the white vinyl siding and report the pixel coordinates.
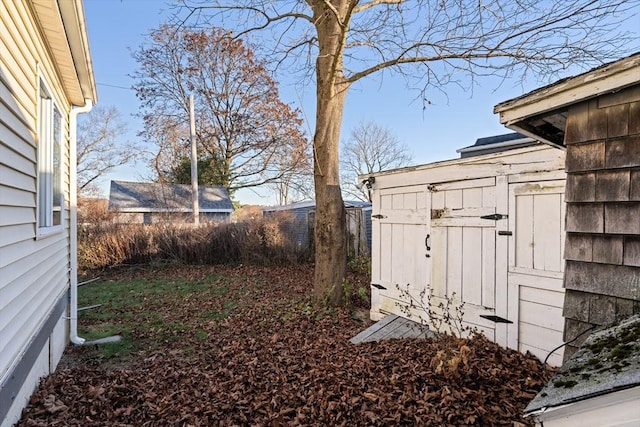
(34, 271)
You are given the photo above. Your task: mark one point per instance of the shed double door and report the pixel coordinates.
(469, 254)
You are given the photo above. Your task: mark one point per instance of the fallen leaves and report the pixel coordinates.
(275, 362)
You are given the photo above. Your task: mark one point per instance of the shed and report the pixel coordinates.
(46, 80)
(144, 202)
(298, 221)
(486, 229)
(595, 117)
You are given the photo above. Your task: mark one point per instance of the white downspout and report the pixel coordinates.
(73, 226)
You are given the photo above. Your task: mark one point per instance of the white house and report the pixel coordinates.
(46, 80)
(488, 229)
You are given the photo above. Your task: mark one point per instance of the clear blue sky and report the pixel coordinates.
(118, 26)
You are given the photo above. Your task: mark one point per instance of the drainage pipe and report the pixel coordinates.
(73, 225)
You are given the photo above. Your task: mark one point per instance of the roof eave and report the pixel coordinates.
(609, 78)
(533, 114)
(64, 28)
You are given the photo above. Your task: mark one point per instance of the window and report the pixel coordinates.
(50, 196)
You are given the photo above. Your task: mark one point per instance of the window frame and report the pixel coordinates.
(50, 197)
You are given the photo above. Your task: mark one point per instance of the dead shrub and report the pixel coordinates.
(258, 242)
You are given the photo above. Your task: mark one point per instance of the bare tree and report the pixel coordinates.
(296, 177)
(370, 148)
(432, 44)
(241, 123)
(100, 147)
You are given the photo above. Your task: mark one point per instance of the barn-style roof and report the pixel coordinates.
(163, 197)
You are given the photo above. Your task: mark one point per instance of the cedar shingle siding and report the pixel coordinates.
(602, 250)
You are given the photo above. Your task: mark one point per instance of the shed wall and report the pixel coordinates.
(34, 271)
(487, 230)
(603, 212)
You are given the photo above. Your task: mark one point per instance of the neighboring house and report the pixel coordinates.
(298, 221)
(148, 203)
(46, 80)
(487, 228)
(595, 117)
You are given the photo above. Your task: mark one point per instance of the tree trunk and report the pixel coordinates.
(330, 221)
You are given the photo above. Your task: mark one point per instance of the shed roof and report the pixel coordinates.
(608, 361)
(542, 113)
(159, 197)
(496, 143)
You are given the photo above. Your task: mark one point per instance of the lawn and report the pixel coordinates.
(208, 346)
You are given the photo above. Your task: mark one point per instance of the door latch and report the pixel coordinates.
(427, 244)
(495, 217)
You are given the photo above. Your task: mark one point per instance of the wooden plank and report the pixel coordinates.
(472, 197)
(543, 296)
(611, 186)
(548, 233)
(549, 280)
(586, 157)
(524, 231)
(454, 261)
(472, 260)
(541, 338)
(365, 334)
(537, 176)
(437, 199)
(502, 245)
(453, 199)
(410, 201)
(532, 159)
(554, 360)
(489, 197)
(542, 315)
(465, 221)
(468, 212)
(439, 260)
(488, 267)
(385, 257)
(465, 183)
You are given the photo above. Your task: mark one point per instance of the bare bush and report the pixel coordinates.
(259, 242)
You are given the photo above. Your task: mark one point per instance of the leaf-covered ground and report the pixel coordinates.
(209, 346)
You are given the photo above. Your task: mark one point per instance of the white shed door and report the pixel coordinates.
(464, 248)
(400, 230)
(535, 292)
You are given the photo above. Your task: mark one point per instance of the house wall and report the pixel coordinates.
(602, 249)
(34, 270)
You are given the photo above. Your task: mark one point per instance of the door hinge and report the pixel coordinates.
(505, 233)
(375, 285)
(378, 216)
(495, 217)
(495, 318)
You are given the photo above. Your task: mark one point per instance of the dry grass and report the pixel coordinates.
(256, 242)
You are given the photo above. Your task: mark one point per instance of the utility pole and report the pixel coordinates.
(194, 163)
